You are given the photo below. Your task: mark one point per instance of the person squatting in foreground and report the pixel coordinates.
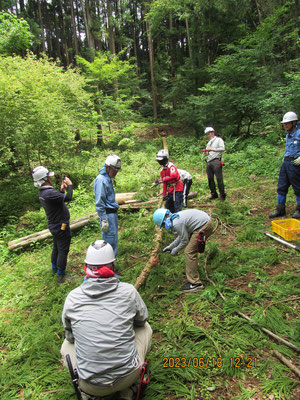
(289, 174)
(106, 328)
(214, 150)
(190, 225)
(170, 178)
(106, 205)
(58, 217)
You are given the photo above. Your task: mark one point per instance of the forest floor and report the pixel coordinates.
(201, 349)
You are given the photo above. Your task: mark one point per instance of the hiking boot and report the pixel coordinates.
(223, 197)
(213, 196)
(279, 212)
(61, 278)
(297, 213)
(192, 287)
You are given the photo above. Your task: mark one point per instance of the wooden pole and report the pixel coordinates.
(287, 362)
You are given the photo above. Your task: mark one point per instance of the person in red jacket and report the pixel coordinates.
(172, 185)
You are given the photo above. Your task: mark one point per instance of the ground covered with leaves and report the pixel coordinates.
(201, 348)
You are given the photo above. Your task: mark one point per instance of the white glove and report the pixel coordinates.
(297, 161)
(104, 226)
(173, 252)
(167, 250)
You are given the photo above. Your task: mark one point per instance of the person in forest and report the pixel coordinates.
(170, 178)
(106, 328)
(289, 174)
(187, 181)
(214, 150)
(54, 203)
(192, 227)
(106, 205)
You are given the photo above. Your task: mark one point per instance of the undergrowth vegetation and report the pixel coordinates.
(201, 349)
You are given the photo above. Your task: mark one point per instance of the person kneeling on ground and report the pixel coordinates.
(107, 336)
(192, 227)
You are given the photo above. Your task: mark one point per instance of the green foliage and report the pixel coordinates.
(114, 84)
(41, 107)
(246, 83)
(15, 36)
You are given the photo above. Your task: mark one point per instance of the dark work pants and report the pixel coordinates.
(214, 168)
(289, 175)
(187, 183)
(174, 206)
(61, 246)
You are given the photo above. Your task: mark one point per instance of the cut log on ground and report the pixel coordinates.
(123, 199)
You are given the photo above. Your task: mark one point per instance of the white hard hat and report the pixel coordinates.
(289, 117)
(40, 175)
(208, 129)
(162, 154)
(113, 161)
(99, 253)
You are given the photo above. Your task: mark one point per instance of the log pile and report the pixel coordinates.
(126, 201)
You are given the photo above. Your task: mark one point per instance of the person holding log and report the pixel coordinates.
(106, 205)
(54, 203)
(192, 227)
(106, 328)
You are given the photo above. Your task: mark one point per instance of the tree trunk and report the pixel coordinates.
(41, 25)
(75, 41)
(151, 59)
(87, 20)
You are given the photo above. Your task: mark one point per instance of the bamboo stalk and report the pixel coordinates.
(287, 362)
(154, 260)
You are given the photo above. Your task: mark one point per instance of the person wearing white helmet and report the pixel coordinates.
(172, 184)
(289, 174)
(187, 180)
(58, 217)
(214, 150)
(192, 227)
(106, 331)
(106, 204)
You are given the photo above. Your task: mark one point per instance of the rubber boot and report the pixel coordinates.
(297, 213)
(279, 212)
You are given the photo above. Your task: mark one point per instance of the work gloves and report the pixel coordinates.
(297, 161)
(167, 249)
(104, 225)
(158, 181)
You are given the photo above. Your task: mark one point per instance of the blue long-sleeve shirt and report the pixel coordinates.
(104, 193)
(292, 146)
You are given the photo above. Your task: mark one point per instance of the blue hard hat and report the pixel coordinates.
(159, 216)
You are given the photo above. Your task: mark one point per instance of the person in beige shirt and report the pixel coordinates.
(214, 151)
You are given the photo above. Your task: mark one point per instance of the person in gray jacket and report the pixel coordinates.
(193, 227)
(106, 328)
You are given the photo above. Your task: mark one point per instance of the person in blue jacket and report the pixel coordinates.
(289, 174)
(106, 205)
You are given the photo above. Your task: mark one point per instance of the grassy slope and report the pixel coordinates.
(249, 269)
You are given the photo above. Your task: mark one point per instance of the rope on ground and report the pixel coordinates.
(267, 331)
(223, 225)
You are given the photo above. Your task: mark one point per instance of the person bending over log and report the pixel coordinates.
(106, 328)
(193, 227)
(58, 217)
